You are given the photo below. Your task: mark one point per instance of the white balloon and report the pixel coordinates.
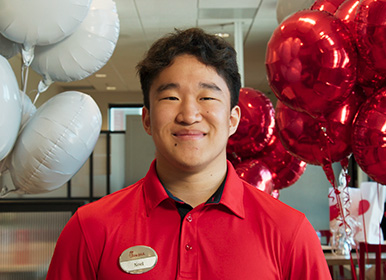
(8, 48)
(85, 51)
(55, 143)
(284, 8)
(28, 109)
(40, 22)
(10, 108)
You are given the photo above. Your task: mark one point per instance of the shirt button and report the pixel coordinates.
(188, 247)
(189, 218)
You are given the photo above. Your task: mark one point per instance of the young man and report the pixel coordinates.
(190, 217)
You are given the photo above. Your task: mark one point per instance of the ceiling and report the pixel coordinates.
(144, 21)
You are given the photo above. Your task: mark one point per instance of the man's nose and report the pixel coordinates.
(189, 112)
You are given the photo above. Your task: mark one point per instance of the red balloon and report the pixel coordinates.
(369, 79)
(285, 168)
(369, 137)
(327, 5)
(311, 62)
(371, 33)
(346, 12)
(256, 124)
(319, 141)
(256, 173)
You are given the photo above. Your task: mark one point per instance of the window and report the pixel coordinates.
(117, 115)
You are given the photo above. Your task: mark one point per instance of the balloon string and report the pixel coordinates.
(36, 97)
(330, 174)
(5, 191)
(42, 87)
(326, 143)
(343, 215)
(2, 164)
(346, 196)
(380, 229)
(380, 241)
(22, 96)
(24, 77)
(364, 228)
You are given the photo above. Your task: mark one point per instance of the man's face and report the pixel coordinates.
(190, 118)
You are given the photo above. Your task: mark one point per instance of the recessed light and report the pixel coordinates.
(111, 88)
(100, 75)
(222, 35)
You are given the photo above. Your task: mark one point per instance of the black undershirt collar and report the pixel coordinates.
(184, 208)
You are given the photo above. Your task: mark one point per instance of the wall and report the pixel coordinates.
(310, 195)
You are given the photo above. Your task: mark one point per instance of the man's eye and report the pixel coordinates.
(169, 98)
(207, 98)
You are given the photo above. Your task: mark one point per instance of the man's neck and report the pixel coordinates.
(193, 188)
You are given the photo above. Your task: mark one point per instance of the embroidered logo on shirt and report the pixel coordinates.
(138, 259)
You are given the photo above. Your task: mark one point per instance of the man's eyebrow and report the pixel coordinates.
(167, 86)
(212, 86)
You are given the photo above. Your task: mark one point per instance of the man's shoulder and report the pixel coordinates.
(266, 205)
(113, 203)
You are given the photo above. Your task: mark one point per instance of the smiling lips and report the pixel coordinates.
(189, 134)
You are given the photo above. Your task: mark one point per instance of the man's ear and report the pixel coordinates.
(234, 119)
(146, 120)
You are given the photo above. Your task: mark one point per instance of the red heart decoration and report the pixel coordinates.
(364, 205)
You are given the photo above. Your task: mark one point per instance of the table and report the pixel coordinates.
(336, 264)
(345, 260)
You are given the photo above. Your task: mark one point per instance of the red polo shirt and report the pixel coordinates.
(247, 235)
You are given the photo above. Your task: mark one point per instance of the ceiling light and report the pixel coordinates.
(222, 35)
(100, 75)
(111, 88)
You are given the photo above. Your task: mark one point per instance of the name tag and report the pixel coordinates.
(138, 259)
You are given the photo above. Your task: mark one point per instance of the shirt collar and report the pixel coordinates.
(231, 195)
(215, 198)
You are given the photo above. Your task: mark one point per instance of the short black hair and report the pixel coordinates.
(209, 49)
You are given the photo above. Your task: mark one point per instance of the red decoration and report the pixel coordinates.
(334, 212)
(327, 5)
(371, 33)
(311, 62)
(369, 79)
(255, 147)
(256, 125)
(285, 168)
(346, 12)
(319, 141)
(257, 174)
(369, 137)
(364, 206)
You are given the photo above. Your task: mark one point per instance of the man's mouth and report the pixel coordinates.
(189, 134)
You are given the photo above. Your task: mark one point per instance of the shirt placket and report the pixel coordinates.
(188, 262)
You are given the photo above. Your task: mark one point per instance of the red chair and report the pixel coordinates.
(324, 233)
(376, 249)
